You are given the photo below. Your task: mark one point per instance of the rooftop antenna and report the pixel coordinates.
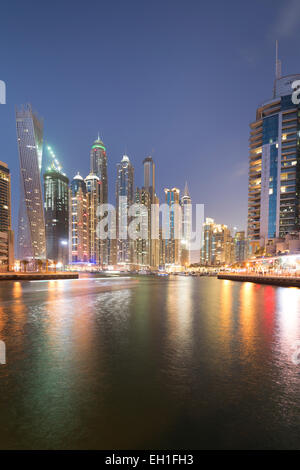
(277, 64)
(277, 70)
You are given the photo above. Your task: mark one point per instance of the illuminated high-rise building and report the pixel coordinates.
(274, 166)
(240, 246)
(98, 159)
(31, 231)
(79, 221)
(6, 233)
(93, 191)
(218, 245)
(124, 199)
(186, 207)
(56, 194)
(173, 242)
(149, 186)
(149, 176)
(142, 243)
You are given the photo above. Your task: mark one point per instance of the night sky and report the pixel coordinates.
(178, 80)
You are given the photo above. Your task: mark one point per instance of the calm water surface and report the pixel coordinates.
(149, 363)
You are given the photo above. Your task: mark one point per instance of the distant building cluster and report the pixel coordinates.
(220, 247)
(60, 221)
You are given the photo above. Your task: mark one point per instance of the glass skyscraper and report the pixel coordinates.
(31, 230)
(56, 192)
(274, 166)
(124, 199)
(149, 186)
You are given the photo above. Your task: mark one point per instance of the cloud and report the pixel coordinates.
(288, 20)
(241, 170)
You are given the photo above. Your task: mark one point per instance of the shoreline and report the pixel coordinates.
(36, 276)
(269, 280)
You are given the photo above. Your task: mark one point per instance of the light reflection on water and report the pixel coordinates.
(149, 363)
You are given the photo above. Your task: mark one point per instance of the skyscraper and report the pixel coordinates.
(124, 199)
(240, 246)
(186, 206)
(218, 246)
(274, 165)
(6, 234)
(93, 187)
(31, 231)
(173, 243)
(142, 244)
(149, 186)
(79, 221)
(56, 193)
(99, 168)
(149, 176)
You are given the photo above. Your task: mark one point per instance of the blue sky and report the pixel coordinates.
(179, 80)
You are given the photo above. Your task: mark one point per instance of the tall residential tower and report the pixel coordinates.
(31, 234)
(186, 207)
(6, 234)
(79, 221)
(98, 158)
(56, 191)
(124, 199)
(274, 166)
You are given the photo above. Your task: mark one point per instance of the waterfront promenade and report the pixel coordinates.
(13, 276)
(275, 280)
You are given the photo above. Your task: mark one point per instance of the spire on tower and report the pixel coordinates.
(186, 190)
(277, 64)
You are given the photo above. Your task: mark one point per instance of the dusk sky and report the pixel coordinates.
(178, 80)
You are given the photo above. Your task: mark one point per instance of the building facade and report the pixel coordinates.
(93, 187)
(274, 167)
(218, 244)
(240, 246)
(143, 242)
(124, 200)
(174, 228)
(153, 229)
(98, 158)
(31, 230)
(186, 207)
(6, 233)
(79, 221)
(56, 194)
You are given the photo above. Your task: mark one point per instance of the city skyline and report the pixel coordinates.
(161, 106)
(149, 229)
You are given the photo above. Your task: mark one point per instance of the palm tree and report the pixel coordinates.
(47, 265)
(39, 263)
(55, 263)
(25, 263)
